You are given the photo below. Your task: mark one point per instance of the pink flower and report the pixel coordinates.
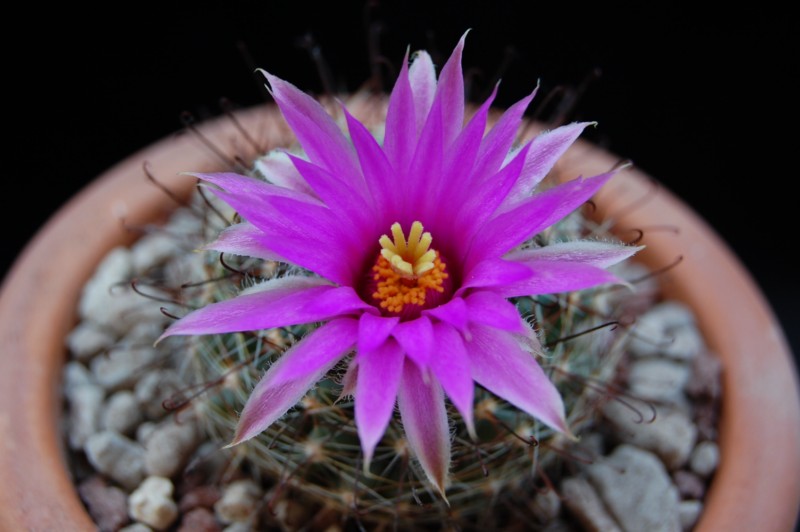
(415, 247)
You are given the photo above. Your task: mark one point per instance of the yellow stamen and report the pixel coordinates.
(407, 269)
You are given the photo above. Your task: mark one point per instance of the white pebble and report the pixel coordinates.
(152, 250)
(689, 512)
(87, 339)
(117, 457)
(666, 329)
(705, 458)
(121, 413)
(239, 502)
(85, 406)
(154, 388)
(152, 503)
(169, 447)
(658, 379)
(121, 366)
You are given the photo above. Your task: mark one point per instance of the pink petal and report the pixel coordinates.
(422, 77)
(510, 229)
(426, 172)
(546, 149)
(416, 339)
(246, 240)
(400, 138)
(378, 173)
(487, 308)
(493, 272)
(600, 254)
(275, 303)
(288, 379)
(450, 364)
(501, 366)
(320, 137)
(450, 92)
(425, 422)
(454, 312)
(550, 277)
(374, 330)
(349, 380)
(277, 168)
(254, 189)
(379, 373)
(498, 142)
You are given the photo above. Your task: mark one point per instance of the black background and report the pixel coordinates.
(702, 101)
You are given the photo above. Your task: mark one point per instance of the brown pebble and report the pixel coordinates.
(199, 520)
(704, 381)
(689, 485)
(201, 496)
(108, 505)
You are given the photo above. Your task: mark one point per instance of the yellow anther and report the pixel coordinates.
(407, 269)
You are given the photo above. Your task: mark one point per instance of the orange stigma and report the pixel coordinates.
(407, 272)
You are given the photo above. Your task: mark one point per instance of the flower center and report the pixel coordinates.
(408, 275)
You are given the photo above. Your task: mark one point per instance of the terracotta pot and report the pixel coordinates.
(754, 487)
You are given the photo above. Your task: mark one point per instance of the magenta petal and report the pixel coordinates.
(546, 149)
(246, 240)
(498, 141)
(288, 379)
(487, 308)
(450, 364)
(550, 277)
(600, 254)
(374, 330)
(501, 366)
(275, 303)
(450, 93)
(378, 172)
(493, 272)
(454, 312)
(422, 77)
(320, 137)
(425, 423)
(253, 189)
(277, 168)
(508, 230)
(349, 380)
(379, 374)
(416, 339)
(400, 136)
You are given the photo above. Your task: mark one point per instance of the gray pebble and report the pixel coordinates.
(671, 435)
(239, 503)
(75, 374)
(85, 406)
(87, 339)
(136, 527)
(106, 504)
(152, 250)
(121, 366)
(584, 503)
(152, 503)
(121, 413)
(117, 457)
(658, 379)
(154, 388)
(705, 458)
(689, 512)
(669, 329)
(546, 506)
(169, 447)
(637, 490)
(144, 431)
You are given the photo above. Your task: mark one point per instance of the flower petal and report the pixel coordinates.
(509, 229)
(288, 379)
(450, 365)
(487, 308)
(416, 339)
(422, 76)
(600, 254)
(546, 149)
(379, 373)
(318, 134)
(454, 312)
(277, 168)
(450, 92)
(550, 277)
(500, 365)
(493, 272)
(246, 240)
(275, 303)
(425, 422)
(400, 138)
(374, 330)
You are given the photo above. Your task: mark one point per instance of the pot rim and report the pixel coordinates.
(37, 311)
